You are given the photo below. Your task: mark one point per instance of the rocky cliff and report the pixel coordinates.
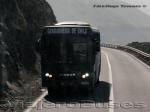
(20, 22)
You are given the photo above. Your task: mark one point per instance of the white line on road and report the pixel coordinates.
(35, 103)
(111, 97)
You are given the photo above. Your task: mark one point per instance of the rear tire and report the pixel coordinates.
(97, 80)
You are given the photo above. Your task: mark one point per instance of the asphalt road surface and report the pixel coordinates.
(124, 86)
(131, 82)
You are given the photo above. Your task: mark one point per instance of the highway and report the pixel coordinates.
(130, 82)
(124, 86)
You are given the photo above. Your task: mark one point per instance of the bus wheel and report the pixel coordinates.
(97, 80)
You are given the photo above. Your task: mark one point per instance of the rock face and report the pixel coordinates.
(20, 22)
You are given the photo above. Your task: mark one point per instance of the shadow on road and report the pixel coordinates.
(100, 94)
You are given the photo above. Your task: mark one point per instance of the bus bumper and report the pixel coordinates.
(53, 83)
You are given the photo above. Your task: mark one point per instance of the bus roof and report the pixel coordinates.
(73, 23)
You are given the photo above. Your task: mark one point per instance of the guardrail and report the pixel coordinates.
(138, 53)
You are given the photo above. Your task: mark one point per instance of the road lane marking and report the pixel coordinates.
(111, 97)
(34, 104)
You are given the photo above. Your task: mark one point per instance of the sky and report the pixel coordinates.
(146, 2)
(116, 25)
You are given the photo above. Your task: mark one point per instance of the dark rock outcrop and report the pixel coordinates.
(20, 22)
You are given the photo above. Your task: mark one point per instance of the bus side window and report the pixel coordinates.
(96, 39)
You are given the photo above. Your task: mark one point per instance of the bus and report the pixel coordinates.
(70, 56)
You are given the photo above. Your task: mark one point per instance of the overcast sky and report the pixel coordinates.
(118, 26)
(146, 2)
